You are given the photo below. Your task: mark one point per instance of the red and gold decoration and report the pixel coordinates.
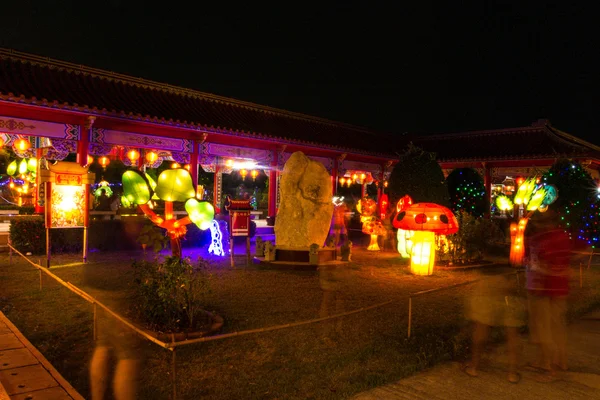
(371, 225)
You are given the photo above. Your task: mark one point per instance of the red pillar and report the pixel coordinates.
(194, 166)
(487, 183)
(273, 185)
(217, 187)
(84, 140)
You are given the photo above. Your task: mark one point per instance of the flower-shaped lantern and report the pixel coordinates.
(427, 220)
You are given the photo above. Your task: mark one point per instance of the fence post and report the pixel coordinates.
(95, 323)
(174, 367)
(409, 315)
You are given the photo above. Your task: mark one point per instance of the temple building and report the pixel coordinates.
(60, 108)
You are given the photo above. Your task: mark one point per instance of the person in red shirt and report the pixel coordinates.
(549, 256)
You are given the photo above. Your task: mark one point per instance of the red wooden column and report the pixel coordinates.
(84, 141)
(487, 183)
(272, 211)
(218, 186)
(334, 177)
(194, 165)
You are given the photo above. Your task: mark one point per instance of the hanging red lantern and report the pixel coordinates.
(254, 174)
(21, 145)
(342, 181)
(151, 157)
(133, 155)
(90, 159)
(243, 173)
(104, 161)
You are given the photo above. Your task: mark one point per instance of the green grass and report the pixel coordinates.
(333, 359)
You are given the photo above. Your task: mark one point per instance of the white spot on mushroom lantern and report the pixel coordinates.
(426, 220)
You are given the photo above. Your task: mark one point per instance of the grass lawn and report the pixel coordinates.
(332, 359)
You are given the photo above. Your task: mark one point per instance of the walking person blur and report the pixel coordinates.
(495, 302)
(549, 256)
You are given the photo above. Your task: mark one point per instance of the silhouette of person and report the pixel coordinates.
(103, 201)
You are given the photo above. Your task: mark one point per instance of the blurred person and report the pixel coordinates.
(332, 280)
(548, 259)
(495, 302)
(115, 342)
(338, 221)
(103, 201)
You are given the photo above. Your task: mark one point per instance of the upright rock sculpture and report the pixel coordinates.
(305, 209)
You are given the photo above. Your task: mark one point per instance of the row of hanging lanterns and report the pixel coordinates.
(358, 179)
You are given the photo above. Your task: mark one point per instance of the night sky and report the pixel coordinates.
(409, 69)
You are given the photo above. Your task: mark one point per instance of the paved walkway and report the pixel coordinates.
(24, 372)
(447, 381)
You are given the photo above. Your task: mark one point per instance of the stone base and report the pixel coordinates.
(299, 259)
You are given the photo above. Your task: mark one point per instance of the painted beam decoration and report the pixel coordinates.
(137, 140)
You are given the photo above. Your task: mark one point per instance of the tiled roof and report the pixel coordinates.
(32, 79)
(538, 141)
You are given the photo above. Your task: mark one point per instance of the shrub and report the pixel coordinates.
(474, 238)
(170, 293)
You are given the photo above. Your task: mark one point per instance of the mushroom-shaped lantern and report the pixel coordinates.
(426, 219)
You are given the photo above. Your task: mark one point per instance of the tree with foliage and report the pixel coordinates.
(577, 192)
(467, 192)
(172, 185)
(420, 176)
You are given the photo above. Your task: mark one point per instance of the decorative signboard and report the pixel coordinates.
(66, 187)
(239, 211)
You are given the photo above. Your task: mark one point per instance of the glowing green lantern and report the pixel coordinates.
(504, 203)
(125, 202)
(135, 188)
(175, 185)
(32, 165)
(200, 212)
(12, 168)
(537, 200)
(23, 166)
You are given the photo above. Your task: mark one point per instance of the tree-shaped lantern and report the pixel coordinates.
(371, 225)
(529, 198)
(426, 220)
(173, 185)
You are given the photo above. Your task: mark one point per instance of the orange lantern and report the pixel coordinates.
(21, 145)
(342, 181)
(133, 155)
(90, 159)
(1, 142)
(244, 173)
(254, 174)
(229, 163)
(187, 166)
(104, 161)
(385, 183)
(151, 157)
(354, 177)
(175, 165)
(362, 177)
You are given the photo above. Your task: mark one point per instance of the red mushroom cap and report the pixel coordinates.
(427, 217)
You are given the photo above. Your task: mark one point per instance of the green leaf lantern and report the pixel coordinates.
(152, 183)
(200, 212)
(32, 165)
(125, 202)
(12, 168)
(537, 200)
(23, 166)
(504, 203)
(135, 188)
(175, 185)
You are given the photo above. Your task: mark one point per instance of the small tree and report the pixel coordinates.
(467, 192)
(420, 176)
(173, 185)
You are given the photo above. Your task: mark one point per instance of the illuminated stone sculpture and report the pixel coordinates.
(425, 219)
(305, 209)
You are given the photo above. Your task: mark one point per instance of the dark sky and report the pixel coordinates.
(413, 68)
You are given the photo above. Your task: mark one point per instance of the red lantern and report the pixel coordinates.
(90, 160)
(104, 161)
(133, 155)
(254, 174)
(243, 173)
(151, 157)
(1, 142)
(21, 145)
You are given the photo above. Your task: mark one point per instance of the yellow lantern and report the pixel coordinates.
(355, 177)
(244, 173)
(104, 161)
(342, 181)
(133, 155)
(175, 165)
(362, 177)
(254, 174)
(151, 157)
(21, 145)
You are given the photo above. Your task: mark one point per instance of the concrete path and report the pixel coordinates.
(447, 381)
(24, 372)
